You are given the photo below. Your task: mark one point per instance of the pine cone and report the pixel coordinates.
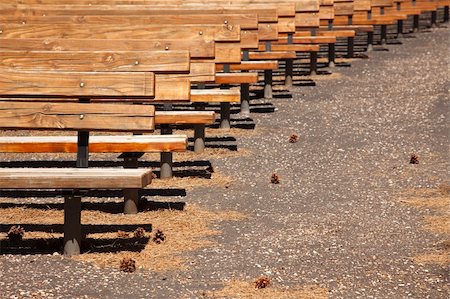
(128, 265)
(262, 282)
(293, 138)
(139, 232)
(123, 235)
(16, 233)
(275, 179)
(414, 159)
(159, 237)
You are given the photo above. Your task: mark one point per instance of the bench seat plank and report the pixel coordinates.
(74, 178)
(97, 144)
(215, 96)
(236, 78)
(185, 117)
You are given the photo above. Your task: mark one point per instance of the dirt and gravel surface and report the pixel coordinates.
(335, 221)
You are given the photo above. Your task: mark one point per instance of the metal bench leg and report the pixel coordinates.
(72, 224)
(268, 84)
(416, 23)
(350, 42)
(225, 108)
(166, 165)
(199, 138)
(166, 157)
(131, 196)
(289, 73)
(399, 28)
(331, 55)
(370, 41)
(434, 18)
(446, 14)
(313, 63)
(245, 98)
(383, 34)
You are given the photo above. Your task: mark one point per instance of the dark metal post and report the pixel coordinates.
(331, 55)
(131, 196)
(399, 28)
(225, 107)
(350, 40)
(199, 131)
(416, 23)
(245, 90)
(166, 157)
(331, 48)
(313, 66)
(83, 143)
(289, 71)
(434, 18)
(446, 14)
(383, 37)
(72, 224)
(268, 77)
(369, 41)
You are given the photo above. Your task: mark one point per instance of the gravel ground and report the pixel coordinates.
(335, 219)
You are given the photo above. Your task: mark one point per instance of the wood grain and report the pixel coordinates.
(88, 61)
(76, 116)
(97, 144)
(80, 84)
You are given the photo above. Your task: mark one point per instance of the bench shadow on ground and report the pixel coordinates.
(50, 243)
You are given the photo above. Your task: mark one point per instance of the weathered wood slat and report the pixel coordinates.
(80, 84)
(246, 21)
(74, 178)
(251, 65)
(97, 144)
(272, 55)
(198, 47)
(88, 61)
(236, 78)
(185, 117)
(84, 31)
(215, 95)
(76, 116)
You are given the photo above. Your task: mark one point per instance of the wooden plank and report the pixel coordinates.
(227, 52)
(309, 39)
(82, 84)
(215, 95)
(97, 144)
(74, 178)
(198, 47)
(293, 47)
(307, 20)
(185, 117)
(246, 21)
(272, 55)
(76, 116)
(251, 65)
(236, 78)
(171, 88)
(87, 31)
(200, 72)
(83, 61)
(267, 32)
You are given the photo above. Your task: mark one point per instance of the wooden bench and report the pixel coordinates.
(81, 117)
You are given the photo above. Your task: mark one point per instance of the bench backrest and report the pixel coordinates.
(76, 116)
